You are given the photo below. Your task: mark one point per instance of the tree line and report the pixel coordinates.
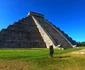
(81, 43)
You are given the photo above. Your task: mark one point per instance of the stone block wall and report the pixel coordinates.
(22, 34)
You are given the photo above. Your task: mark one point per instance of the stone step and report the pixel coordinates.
(19, 35)
(69, 38)
(22, 44)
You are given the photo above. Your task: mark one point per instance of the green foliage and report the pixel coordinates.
(81, 43)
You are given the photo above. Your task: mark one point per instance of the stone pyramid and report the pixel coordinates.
(34, 31)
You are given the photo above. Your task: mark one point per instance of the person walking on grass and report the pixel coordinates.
(51, 50)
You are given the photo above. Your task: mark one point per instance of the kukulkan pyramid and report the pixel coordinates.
(34, 31)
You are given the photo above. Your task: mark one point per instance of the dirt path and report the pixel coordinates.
(79, 52)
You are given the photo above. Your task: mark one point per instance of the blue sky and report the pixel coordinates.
(68, 15)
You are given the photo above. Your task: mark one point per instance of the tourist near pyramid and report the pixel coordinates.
(34, 31)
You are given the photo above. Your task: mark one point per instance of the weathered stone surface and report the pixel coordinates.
(57, 36)
(34, 31)
(22, 34)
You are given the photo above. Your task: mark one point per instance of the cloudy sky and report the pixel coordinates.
(68, 15)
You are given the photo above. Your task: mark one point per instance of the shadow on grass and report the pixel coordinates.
(61, 56)
(22, 57)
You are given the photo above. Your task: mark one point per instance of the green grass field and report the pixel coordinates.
(38, 59)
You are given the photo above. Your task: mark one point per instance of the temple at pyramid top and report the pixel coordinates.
(34, 31)
(35, 14)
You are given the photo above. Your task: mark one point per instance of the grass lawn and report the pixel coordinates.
(38, 59)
